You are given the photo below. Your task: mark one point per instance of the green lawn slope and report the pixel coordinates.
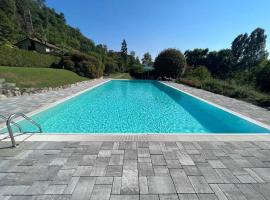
(26, 77)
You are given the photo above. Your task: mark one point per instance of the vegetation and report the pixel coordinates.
(147, 59)
(22, 58)
(26, 77)
(48, 25)
(170, 63)
(51, 26)
(120, 76)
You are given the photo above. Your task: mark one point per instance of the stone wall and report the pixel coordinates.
(10, 89)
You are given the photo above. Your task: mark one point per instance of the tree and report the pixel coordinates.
(133, 54)
(196, 57)
(263, 80)
(147, 59)
(238, 48)
(124, 55)
(220, 63)
(256, 47)
(170, 63)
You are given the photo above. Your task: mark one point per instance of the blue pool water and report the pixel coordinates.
(139, 107)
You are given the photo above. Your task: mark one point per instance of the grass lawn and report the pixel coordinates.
(120, 76)
(39, 77)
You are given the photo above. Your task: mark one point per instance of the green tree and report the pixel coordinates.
(196, 57)
(220, 63)
(238, 48)
(262, 78)
(256, 48)
(170, 63)
(124, 55)
(147, 59)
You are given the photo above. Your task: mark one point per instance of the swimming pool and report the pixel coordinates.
(135, 106)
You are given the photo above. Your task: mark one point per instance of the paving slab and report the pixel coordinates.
(89, 175)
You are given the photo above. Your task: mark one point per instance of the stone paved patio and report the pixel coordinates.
(135, 170)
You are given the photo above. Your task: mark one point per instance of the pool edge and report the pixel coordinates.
(249, 119)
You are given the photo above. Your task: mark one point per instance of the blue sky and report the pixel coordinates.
(153, 25)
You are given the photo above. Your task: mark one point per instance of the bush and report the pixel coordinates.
(22, 58)
(263, 78)
(110, 66)
(199, 72)
(69, 65)
(83, 64)
(170, 63)
(230, 89)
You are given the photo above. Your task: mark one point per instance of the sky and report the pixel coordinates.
(153, 25)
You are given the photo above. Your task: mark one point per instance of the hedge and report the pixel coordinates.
(22, 58)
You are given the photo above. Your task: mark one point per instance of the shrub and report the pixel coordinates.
(230, 89)
(83, 64)
(263, 79)
(199, 72)
(170, 63)
(69, 65)
(110, 66)
(22, 58)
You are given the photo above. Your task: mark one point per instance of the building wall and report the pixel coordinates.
(26, 44)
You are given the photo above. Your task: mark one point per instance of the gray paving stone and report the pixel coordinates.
(116, 160)
(192, 170)
(250, 192)
(143, 184)
(161, 171)
(264, 173)
(216, 164)
(130, 180)
(83, 171)
(149, 197)
(143, 153)
(210, 174)
(101, 192)
(104, 181)
(184, 158)
(55, 189)
(98, 171)
(63, 177)
(181, 181)
(71, 185)
(160, 185)
(130, 155)
(168, 197)
(207, 197)
(83, 188)
(39, 187)
(114, 170)
(73, 170)
(158, 160)
(232, 192)
(199, 184)
(116, 187)
(188, 197)
(124, 197)
(142, 159)
(227, 176)
(145, 169)
(218, 192)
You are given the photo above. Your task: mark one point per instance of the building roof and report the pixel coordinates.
(42, 42)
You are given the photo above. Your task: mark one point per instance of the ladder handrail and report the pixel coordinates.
(9, 121)
(14, 123)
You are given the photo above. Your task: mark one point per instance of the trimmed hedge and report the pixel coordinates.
(21, 58)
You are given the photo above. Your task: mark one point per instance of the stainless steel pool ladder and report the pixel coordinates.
(10, 122)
